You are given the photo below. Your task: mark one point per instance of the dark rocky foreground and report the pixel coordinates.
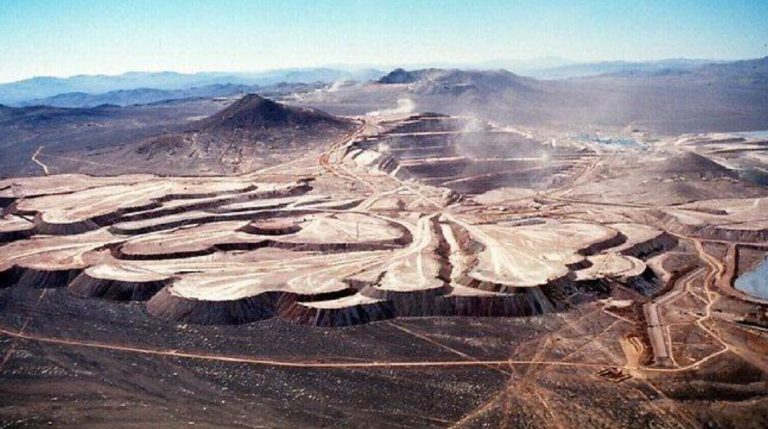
(88, 387)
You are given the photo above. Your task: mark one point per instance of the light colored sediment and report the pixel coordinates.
(56, 252)
(531, 255)
(90, 208)
(14, 228)
(743, 220)
(414, 281)
(272, 227)
(14, 223)
(642, 241)
(360, 243)
(165, 305)
(611, 265)
(118, 282)
(345, 311)
(65, 183)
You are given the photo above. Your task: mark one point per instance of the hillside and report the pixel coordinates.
(249, 133)
(183, 136)
(72, 138)
(712, 97)
(253, 112)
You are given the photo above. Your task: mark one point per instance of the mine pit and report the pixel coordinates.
(429, 217)
(469, 161)
(134, 248)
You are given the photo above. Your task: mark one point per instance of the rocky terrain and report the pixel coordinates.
(391, 269)
(73, 138)
(668, 98)
(705, 98)
(251, 132)
(203, 136)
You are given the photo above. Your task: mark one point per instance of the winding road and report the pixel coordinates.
(38, 162)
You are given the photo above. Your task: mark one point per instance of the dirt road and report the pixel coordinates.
(36, 161)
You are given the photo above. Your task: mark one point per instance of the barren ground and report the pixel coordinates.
(421, 271)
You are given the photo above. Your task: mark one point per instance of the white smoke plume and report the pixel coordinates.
(335, 86)
(319, 95)
(404, 106)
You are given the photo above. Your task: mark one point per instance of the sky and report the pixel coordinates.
(69, 37)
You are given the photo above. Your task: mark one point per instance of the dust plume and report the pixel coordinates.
(404, 106)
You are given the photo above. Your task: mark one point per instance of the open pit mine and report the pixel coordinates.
(568, 273)
(334, 249)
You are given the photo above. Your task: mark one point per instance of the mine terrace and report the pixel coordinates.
(563, 259)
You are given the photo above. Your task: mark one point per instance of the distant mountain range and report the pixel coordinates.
(710, 97)
(670, 96)
(127, 97)
(610, 67)
(560, 68)
(216, 135)
(42, 88)
(148, 87)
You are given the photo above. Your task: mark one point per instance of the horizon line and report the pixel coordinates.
(408, 66)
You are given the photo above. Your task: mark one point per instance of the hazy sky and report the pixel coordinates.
(67, 37)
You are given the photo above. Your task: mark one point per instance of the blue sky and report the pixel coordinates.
(67, 37)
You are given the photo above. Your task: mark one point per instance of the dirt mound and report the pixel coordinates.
(255, 112)
(692, 163)
(248, 134)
